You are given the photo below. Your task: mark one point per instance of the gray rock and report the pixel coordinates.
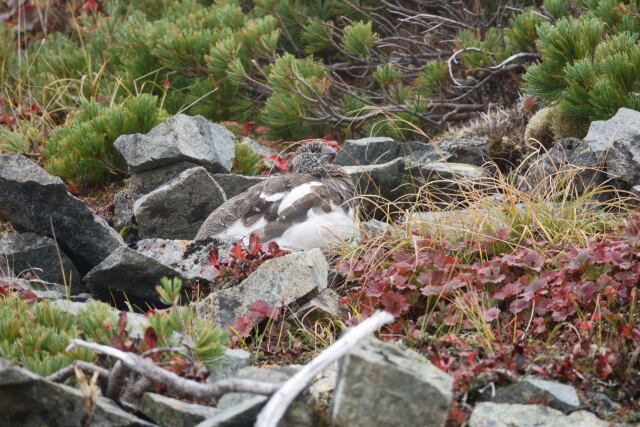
(181, 138)
(279, 281)
(259, 148)
(144, 182)
(190, 259)
(616, 143)
(242, 409)
(130, 272)
(136, 323)
(231, 362)
(39, 202)
(234, 184)
(177, 209)
(29, 400)
(40, 256)
(243, 414)
(383, 384)
(138, 185)
(367, 151)
(488, 414)
(532, 390)
(325, 305)
(271, 375)
(41, 288)
(167, 411)
(636, 190)
(418, 150)
(446, 181)
(472, 150)
(123, 209)
(382, 180)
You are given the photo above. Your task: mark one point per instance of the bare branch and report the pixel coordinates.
(192, 388)
(280, 401)
(69, 371)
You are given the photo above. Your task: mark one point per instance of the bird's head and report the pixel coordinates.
(315, 155)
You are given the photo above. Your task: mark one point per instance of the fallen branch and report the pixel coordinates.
(69, 371)
(280, 401)
(148, 369)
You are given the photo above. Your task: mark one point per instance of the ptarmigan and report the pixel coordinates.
(304, 209)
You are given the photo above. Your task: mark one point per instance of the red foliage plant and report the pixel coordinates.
(241, 262)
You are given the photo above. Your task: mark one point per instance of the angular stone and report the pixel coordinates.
(242, 409)
(136, 323)
(177, 209)
(472, 150)
(39, 202)
(129, 272)
(488, 414)
(418, 150)
(231, 362)
(234, 184)
(325, 305)
(383, 384)
(382, 180)
(30, 400)
(367, 151)
(40, 256)
(446, 181)
(616, 143)
(167, 411)
(138, 185)
(190, 259)
(279, 281)
(259, 148)
(532, 390)
(181, 138)
(41, 288)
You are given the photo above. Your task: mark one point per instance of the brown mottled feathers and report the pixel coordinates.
(333, 190)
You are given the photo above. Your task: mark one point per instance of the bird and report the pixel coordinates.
(307, 208)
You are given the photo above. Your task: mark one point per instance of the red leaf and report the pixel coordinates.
(246, 127)
(261, 308)
(237, 252)
(150, 337)
(89, 4)
(260, 129)
(243, 326)
(394, 303)
(491, 314)
(490, 273)
(254, 246)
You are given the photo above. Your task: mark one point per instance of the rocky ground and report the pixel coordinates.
(59, 248)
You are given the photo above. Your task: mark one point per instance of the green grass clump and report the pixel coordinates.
(82, 151)
(35, 334)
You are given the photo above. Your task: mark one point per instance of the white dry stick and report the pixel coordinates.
(280, 401)
(192, 388)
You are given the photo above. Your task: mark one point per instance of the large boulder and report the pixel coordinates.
(533, 390)
(382, 384)
(29, 400)
(616, 143)
(279, 281)
(472, 150)
(129, 272)
(489, 414)
(166, 411)
(190, 259)
(181, 138)
(234, 184)
(177, 209)
(242, 409)
(138, 185)
(367, 151)
(39, 202)
(39, 256)
(383, 180)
